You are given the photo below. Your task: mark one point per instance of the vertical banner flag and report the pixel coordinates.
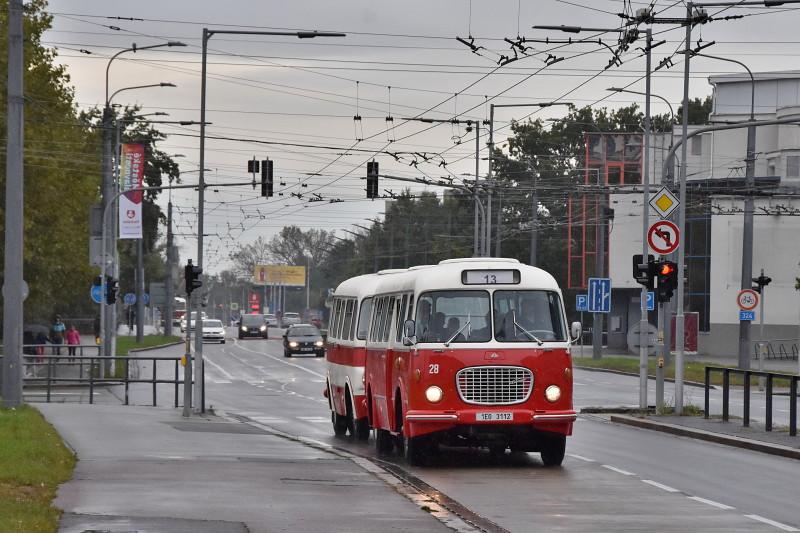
(130, 204)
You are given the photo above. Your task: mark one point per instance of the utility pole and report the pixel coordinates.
(478, 232)
(14, 287)
(644, 322)
(139, 290)
(168, 281)
(534, 221)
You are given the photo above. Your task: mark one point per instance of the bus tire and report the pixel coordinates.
(339, 424)
(384, 443)
(553, 450)
(414, 450)
(359, 428)
(362, 429)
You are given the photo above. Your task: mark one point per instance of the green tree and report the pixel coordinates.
(62, 175)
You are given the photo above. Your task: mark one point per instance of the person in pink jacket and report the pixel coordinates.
(73, 339)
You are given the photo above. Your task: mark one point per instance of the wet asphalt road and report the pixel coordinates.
(615, 478)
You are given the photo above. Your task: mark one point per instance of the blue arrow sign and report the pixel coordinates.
(97, 294)
(747, 316)
(581, 302)
(146, 298)
(129, 298)
(599, 295)
(651, 301)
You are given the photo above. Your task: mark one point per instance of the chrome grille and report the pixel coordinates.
(494, 385)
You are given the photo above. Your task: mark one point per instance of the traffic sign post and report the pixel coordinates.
(663, 237)
(581, 305)
(599, 295)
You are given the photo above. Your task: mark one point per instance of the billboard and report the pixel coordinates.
(131, 172)
(284, 275)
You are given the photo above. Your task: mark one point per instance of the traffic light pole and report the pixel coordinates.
(644, 322)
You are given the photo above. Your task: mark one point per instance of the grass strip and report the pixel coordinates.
(692, 371)
(126, 344)
(33, 462)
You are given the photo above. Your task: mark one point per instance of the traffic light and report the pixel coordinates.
(644, 275)
(191, 274)
(267, 180)
(112, 289)
(761, 282)
(667, 277)
(372, 179)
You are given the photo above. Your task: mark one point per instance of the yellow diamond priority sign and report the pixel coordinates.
(664, 202)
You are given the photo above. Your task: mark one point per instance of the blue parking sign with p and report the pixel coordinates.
(599, 295)
(581, 303)
(651, 301)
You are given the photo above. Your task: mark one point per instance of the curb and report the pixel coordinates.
(156, 347)
(719, 438)
(623, 373)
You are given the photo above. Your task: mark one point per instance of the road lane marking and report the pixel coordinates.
(580, 457)
(758, 518)
(618, 470)
(221, 370)
(712, 503)
(278, 359)
(660, 485)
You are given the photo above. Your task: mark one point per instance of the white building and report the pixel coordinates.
(713, 237)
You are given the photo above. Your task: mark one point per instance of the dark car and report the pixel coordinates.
(303, 338)
(253, 325)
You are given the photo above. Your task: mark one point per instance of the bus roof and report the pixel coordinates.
(448, 274)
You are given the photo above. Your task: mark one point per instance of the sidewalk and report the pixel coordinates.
(713, 429)
(150, 469)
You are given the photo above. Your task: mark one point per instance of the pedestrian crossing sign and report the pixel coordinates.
(664, 202)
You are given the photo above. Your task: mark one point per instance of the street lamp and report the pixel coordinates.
(108, 313)
(535, 196)
(644, 321)
(207, 34)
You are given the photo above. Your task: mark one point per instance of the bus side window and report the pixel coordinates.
(348, 319)
(364, 318)
(376, 321)
(401, 314)
(335, 318)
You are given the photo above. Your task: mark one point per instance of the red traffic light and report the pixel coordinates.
(667, 269)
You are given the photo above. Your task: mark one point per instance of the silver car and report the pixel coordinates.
(290, 318)
(271, 320)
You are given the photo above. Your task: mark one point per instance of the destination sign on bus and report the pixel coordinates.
(489, 277)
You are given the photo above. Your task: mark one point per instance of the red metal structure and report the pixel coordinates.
(610, 159)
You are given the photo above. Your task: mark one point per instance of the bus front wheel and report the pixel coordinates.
(384, 443)
(553, 450)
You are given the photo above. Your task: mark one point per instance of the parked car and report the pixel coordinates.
(289, 319)
(303, 339)
(213, 330)
(253, 325)
(271, 320)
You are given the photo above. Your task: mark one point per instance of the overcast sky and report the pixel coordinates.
(399, 60)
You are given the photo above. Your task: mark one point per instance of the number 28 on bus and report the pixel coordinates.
(469, 352)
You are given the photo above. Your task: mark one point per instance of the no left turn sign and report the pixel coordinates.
(663, 237)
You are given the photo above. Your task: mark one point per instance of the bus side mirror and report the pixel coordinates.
(576, 329)
(409, 339)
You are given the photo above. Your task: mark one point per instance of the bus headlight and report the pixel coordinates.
(552, 393)
(434, 394)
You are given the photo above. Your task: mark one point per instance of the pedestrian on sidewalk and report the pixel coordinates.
(57, 335)
(73, 340)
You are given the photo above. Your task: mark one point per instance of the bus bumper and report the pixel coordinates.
(420, 422)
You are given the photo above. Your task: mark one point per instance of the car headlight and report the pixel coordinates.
(319, 344)
(244, 328)
(263, 328)
(434, 394)
(552, 393)
(293, 344)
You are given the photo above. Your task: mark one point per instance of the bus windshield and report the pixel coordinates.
(528, 316)
(454, 316)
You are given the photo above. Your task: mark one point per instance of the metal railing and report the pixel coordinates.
(782, 349)
(747, 374)
(67, 369)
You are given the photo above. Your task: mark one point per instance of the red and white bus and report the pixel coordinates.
(470, 352)
(346, 354)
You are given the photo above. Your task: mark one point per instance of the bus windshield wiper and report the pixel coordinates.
(523, 330)
(457, 333)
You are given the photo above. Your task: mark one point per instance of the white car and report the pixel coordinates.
(191, 324)
(271, 320)
(213, 330)
(290, 318)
